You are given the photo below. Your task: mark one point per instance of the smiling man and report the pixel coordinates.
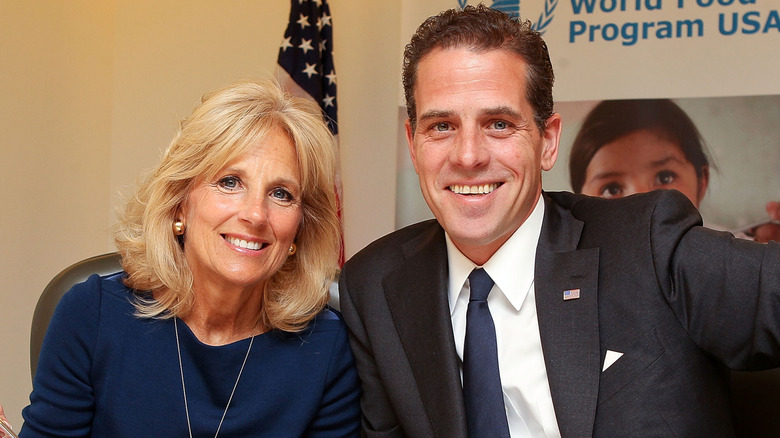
(476, 147)
(522, 313)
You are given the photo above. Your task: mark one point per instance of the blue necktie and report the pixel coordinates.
(482, 393)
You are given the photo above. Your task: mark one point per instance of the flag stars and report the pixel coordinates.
(311, 69)
(303, 21)
(328, 101)
(331, 77)
(286, 43)
(310, 30)
(305, 46)
(325, 20)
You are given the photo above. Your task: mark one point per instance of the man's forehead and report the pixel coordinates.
(479, 51)
(492, 79)
(433, 62)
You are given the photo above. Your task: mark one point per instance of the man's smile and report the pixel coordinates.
(482, 189)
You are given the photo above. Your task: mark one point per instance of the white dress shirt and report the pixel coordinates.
(512, 304)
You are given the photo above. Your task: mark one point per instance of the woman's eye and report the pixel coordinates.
(229, 182)
(281, 194)
(611, 190)
(665, 177)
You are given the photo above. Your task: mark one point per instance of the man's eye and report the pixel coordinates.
(441, 126)
(500, 124)
(281, 194)
(611, 190)
(665, 177)
(230, 182)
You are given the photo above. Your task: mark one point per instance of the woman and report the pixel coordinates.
(218, 325)
(634, 146)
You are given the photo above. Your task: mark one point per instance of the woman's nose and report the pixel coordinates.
(254, 210)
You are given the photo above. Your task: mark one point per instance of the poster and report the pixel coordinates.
(716, 59)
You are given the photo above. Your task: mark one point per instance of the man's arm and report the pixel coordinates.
(725, 291)
(378, 416)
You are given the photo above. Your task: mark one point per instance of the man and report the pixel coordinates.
(612, 317)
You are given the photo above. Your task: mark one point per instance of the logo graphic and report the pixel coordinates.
(545, 18)
(512, 7)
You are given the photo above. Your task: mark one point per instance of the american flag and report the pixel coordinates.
(306, 65)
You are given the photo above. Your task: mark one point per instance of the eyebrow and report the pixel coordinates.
(501, 111)
(434, 114)
(230, 170)
(492, 111)
(284, 180)
(653, 165)
(290, 182)
(667, 159)
(605, 175)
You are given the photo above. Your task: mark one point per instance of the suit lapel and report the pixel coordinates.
(425, 329)
(569, 328)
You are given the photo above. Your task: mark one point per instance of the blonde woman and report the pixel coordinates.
(218, 325)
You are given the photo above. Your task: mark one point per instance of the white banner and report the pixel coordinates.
(717, 59)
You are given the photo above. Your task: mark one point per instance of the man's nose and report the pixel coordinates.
(470, 150)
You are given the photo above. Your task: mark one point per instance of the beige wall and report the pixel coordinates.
(92, 91)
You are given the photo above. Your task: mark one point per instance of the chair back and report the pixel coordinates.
(76, 273)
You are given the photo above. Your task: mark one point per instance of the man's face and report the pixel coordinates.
(476, 148)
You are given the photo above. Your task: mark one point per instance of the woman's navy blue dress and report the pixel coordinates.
(104, 372)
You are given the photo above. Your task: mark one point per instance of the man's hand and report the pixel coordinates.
(770, 230)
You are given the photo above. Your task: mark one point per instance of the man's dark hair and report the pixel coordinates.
(481, 28)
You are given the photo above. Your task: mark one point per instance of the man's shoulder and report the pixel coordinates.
(660, 216)
(393, 245)
(587, 208)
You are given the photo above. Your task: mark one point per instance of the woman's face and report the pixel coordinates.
(241, 223)
(640, 162)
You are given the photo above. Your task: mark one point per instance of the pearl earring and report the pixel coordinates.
(178, 228)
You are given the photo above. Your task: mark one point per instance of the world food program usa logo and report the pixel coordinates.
(512, 7)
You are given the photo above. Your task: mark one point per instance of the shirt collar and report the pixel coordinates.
(511, 267)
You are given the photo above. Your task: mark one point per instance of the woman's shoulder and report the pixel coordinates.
(327, 324)
(328, 319)
(95, 290)
(324, 338)
(85, 307)
(329, 314)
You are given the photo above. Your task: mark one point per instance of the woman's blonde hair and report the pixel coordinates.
(222, 127)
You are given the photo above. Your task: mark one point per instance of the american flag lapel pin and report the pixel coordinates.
(571, 294)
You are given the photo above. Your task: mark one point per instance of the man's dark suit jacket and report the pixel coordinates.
(682, 303)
